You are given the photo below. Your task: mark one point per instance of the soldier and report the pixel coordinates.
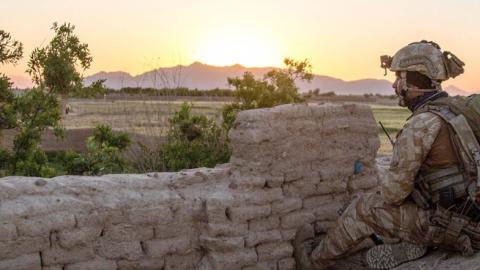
(424, 193)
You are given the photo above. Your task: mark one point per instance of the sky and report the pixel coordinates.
(342, 38)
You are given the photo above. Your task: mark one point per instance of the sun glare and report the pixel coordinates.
(238, 47)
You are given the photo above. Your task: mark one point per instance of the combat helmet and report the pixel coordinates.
(426, 58)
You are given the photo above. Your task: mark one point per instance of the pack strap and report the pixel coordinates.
(439, 180)
(476, 158)
(462, 129)
(450, 181)
(441, 173)
(468, 140)
(453, 230)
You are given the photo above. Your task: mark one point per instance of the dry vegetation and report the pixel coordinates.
(146, 117)
(146, 120)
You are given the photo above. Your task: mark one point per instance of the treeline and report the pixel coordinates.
(180, 91)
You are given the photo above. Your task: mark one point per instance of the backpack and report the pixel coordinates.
(463, 117)
(469, 107)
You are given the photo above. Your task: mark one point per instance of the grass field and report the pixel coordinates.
(150, 117)
(393, 118)
(147, 120)
(147, 117)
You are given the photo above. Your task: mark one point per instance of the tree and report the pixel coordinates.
(91, 91)
(277, 87)
(55, 67)
(7, 112)
(250, 92)
(10, 50)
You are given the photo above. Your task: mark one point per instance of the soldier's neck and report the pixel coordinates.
(419, 101)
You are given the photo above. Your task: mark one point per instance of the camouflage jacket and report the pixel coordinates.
(412, 146)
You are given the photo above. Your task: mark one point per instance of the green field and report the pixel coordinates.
(393, 118)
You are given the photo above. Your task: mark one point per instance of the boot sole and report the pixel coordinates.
(388, 256)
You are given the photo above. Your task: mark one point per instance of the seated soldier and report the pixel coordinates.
(424, 155)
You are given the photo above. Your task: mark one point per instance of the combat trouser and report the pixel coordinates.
(371, 214)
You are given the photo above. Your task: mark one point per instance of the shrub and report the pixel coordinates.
(103, 154)
(328, 94)
(5, 162)
(35, 164)
(193, 141)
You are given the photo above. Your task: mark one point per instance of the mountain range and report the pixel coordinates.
(202, 76)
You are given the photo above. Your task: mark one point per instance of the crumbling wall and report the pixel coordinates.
(291, 164)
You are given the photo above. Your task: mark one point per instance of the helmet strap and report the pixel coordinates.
(403, 89)
(403, 81)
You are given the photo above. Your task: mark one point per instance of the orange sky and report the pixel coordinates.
(342, 39)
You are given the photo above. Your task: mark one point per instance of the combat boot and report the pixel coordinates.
(302, 247)
(388, 256)
(305, 242)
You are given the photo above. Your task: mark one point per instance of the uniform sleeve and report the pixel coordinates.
(411, 148)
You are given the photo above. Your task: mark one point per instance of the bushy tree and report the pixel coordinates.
(36, 111)
(250, 92)
(91, 91)
(10, 50)
(56, 67)
(7, 112)
(277, 87)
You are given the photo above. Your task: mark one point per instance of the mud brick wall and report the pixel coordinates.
(291, 164)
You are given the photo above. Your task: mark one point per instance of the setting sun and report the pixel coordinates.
(238, 47)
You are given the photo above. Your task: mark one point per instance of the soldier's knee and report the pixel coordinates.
(369, 200)
(364, 206)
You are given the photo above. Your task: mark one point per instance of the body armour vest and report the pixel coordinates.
(449, 173)
(440, 177)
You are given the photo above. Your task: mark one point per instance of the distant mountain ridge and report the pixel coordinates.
(201, 76)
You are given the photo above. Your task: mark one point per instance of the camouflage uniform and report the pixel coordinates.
(423, 149)
(389, 214)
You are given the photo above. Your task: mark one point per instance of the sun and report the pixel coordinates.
(247, 48)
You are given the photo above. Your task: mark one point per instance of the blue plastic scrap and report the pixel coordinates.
(357, 167)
